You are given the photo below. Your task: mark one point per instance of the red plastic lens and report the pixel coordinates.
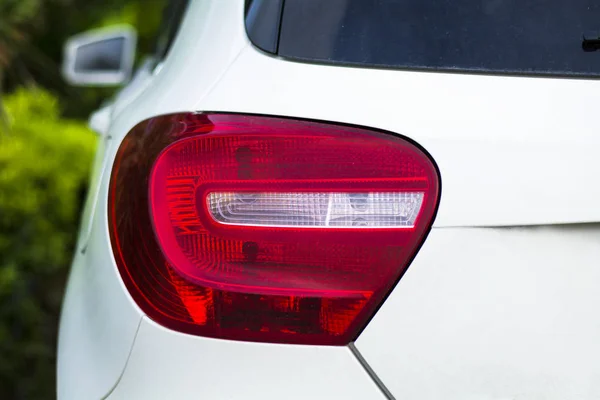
(270, 279)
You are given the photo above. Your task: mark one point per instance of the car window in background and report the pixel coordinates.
(174, 12)
(103, 56)
(507, 36)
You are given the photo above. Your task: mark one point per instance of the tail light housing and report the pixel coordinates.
(266, 229)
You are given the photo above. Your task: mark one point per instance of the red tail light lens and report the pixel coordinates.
(266, 229)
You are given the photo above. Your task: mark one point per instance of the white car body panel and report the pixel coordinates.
(482, 313)
(187, 367)
(98, 321)
(506, 313)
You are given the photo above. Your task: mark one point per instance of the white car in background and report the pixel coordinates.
(265, 180)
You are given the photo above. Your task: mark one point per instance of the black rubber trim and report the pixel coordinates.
(386, 392)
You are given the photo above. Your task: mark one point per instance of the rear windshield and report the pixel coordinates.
(506, 36)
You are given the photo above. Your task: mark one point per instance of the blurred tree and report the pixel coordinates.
(32, 34)
(42, 178)
(16, 19)
(64, 18)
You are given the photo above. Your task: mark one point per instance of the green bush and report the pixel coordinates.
(44, 168)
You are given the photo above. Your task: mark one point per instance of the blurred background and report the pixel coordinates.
(46, 152)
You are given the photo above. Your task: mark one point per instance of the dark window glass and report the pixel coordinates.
(104, 56)
(262, 23)
(174, 12)
(511, 36)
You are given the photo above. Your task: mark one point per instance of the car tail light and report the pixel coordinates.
(266, 229)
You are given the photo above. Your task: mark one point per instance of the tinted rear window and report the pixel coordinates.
(510, 36)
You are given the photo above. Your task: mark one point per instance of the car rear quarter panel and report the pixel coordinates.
(169, 365)
(493, 313)
(485, 311)
(499, 303)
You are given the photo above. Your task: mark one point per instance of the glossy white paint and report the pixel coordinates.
(500, 313)
(209, 41)
(168, 365)
(98, 320)
(99, 121)
(482, 313)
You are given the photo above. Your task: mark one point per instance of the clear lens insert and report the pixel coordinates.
(317, 209)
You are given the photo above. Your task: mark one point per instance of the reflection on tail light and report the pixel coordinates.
(317, 209)
(266, 229)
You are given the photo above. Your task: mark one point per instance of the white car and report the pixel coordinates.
(340, 199)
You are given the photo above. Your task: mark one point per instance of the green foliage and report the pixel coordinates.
(32, 34)
(16, 16)
(44, 168)
(38, 60)
(44, 162)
